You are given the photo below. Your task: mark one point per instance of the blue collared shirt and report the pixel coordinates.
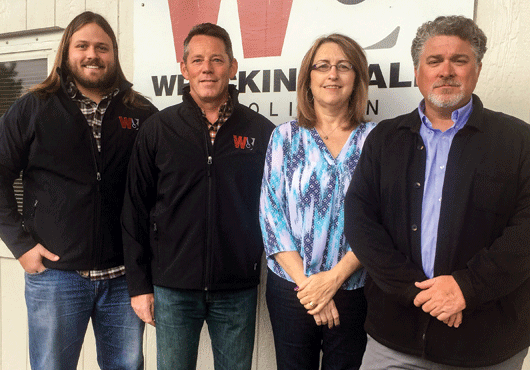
(437, 145)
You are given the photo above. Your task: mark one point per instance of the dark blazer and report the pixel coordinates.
(483, 237)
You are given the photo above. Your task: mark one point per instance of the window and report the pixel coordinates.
(16, 77)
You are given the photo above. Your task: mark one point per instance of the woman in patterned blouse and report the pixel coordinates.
(314, 284)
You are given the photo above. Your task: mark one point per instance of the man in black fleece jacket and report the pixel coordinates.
(192, 239)
(72, 136)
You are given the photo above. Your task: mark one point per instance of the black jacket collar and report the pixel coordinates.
(413, 121)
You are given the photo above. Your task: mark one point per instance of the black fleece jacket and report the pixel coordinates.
(190, 217)
(72, 195)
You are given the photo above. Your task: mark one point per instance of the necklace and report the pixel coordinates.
(326, 135)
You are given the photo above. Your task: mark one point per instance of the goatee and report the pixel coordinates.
(442, 100)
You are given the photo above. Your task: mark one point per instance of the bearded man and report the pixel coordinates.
(438, 212)
(71, 136)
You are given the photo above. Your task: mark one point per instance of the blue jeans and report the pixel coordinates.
(298, 340)
(60, 304)
(180, 315)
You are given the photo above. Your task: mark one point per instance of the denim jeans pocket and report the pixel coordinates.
(37, 273)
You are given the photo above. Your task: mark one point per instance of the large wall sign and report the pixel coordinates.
(270, 38)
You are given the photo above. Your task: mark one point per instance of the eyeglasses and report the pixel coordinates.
(326, 67)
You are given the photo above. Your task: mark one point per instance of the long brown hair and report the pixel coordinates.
(53, 82)
(359, 96)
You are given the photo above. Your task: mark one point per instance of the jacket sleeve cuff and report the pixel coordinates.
(407, 298)
(464, 282)
(137, 287)
(22, 246)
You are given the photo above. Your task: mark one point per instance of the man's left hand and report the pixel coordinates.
(144, 307)
(441, 297)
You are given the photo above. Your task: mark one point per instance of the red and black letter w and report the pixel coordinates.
(240, 141)
(126, 122)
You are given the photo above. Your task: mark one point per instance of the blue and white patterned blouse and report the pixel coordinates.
(302, 198)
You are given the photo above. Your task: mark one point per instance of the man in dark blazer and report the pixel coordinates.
(439, 214)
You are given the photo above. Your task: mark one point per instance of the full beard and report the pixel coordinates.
(104, 83)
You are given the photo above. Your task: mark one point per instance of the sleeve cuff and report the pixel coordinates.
(464, 282)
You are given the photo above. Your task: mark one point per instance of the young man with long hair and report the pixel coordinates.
(71, 136)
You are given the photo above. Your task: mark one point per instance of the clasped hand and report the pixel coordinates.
(442, 298)
(316, 295)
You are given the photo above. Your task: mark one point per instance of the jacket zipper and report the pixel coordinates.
(98, 240)
(96, 255)
(34, 210)
(209, 234)
(209, 227)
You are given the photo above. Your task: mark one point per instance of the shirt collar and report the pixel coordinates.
(74, 93)
(459, 116)
(225, 111)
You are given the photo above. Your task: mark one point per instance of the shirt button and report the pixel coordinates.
(414, 228)
(417, 185)
(442, 167)
(420, 147)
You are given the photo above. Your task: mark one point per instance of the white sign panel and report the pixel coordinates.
(270, 38)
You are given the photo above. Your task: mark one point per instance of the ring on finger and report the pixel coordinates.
(311, 304)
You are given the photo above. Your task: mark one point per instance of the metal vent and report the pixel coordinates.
(19, 192)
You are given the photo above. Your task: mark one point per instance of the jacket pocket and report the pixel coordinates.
(491, 194)
(154, 242)
(29, 219)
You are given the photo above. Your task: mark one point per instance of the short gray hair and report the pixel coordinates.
(454, 25)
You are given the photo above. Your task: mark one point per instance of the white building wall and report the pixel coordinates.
(503, 86)
(505, 76)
